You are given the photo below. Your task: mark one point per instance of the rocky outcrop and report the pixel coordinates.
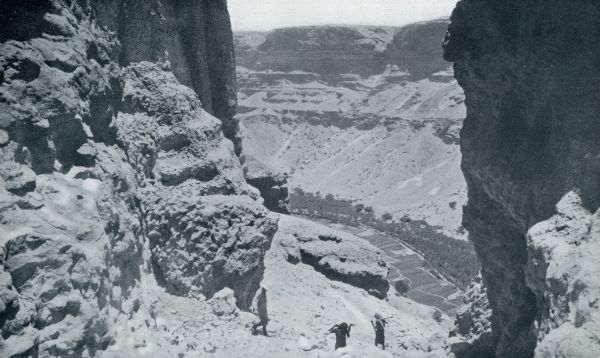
(472, 334)
(529, 138)
(337, 255)
(114, 175)
(205, 228)
(563, 272)
(195, 36)
(271, 184)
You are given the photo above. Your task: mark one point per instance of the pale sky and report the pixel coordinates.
(261, 15)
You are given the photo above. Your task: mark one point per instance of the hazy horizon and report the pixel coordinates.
(265, 15)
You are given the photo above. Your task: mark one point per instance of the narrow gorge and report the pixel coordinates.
(150, 158)
(127, 226)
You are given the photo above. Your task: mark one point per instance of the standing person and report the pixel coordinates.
(379, 326)
(261, 310)
(341, 331)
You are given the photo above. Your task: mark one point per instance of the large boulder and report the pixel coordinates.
(339, 256)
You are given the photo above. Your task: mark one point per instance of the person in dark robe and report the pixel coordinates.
(341, 331)
(261, 310)
(379, 327)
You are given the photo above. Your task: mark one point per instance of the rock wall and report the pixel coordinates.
(530, 75)
(195, 36)
(564, 274)
(114, 176)
(205, 227)
(472, 334)
(331, 50)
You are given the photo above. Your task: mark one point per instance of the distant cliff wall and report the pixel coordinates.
(530, 72)
(334, 50)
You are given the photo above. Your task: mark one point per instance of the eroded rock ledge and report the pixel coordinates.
(530, 75)
(337, 255)
(272, 184)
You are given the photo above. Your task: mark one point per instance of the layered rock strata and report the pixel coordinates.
(331, 50)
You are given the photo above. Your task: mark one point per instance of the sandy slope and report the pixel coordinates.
(314, 303)
(303, 304)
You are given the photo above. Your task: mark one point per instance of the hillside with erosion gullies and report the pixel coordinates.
(127, 226)
(367, 114)
(531, 160)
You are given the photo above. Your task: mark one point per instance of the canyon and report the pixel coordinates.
(368, 114)
(127, 225)
(130, 226)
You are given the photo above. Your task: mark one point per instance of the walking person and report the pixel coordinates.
(379, 327)
(342, 331)
(261, 310)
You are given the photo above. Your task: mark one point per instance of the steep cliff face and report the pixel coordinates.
(472, 335)
(115, 179)
(205, 229)
(195, 36)
(331, 50)
(530, 75)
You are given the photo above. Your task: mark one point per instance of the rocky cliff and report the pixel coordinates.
(530, 71)
(114, 175)
(331, 50)
(127, 228)
(195, 36)
(340, 257)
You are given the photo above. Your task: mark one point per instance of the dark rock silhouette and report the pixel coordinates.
(529, 71)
